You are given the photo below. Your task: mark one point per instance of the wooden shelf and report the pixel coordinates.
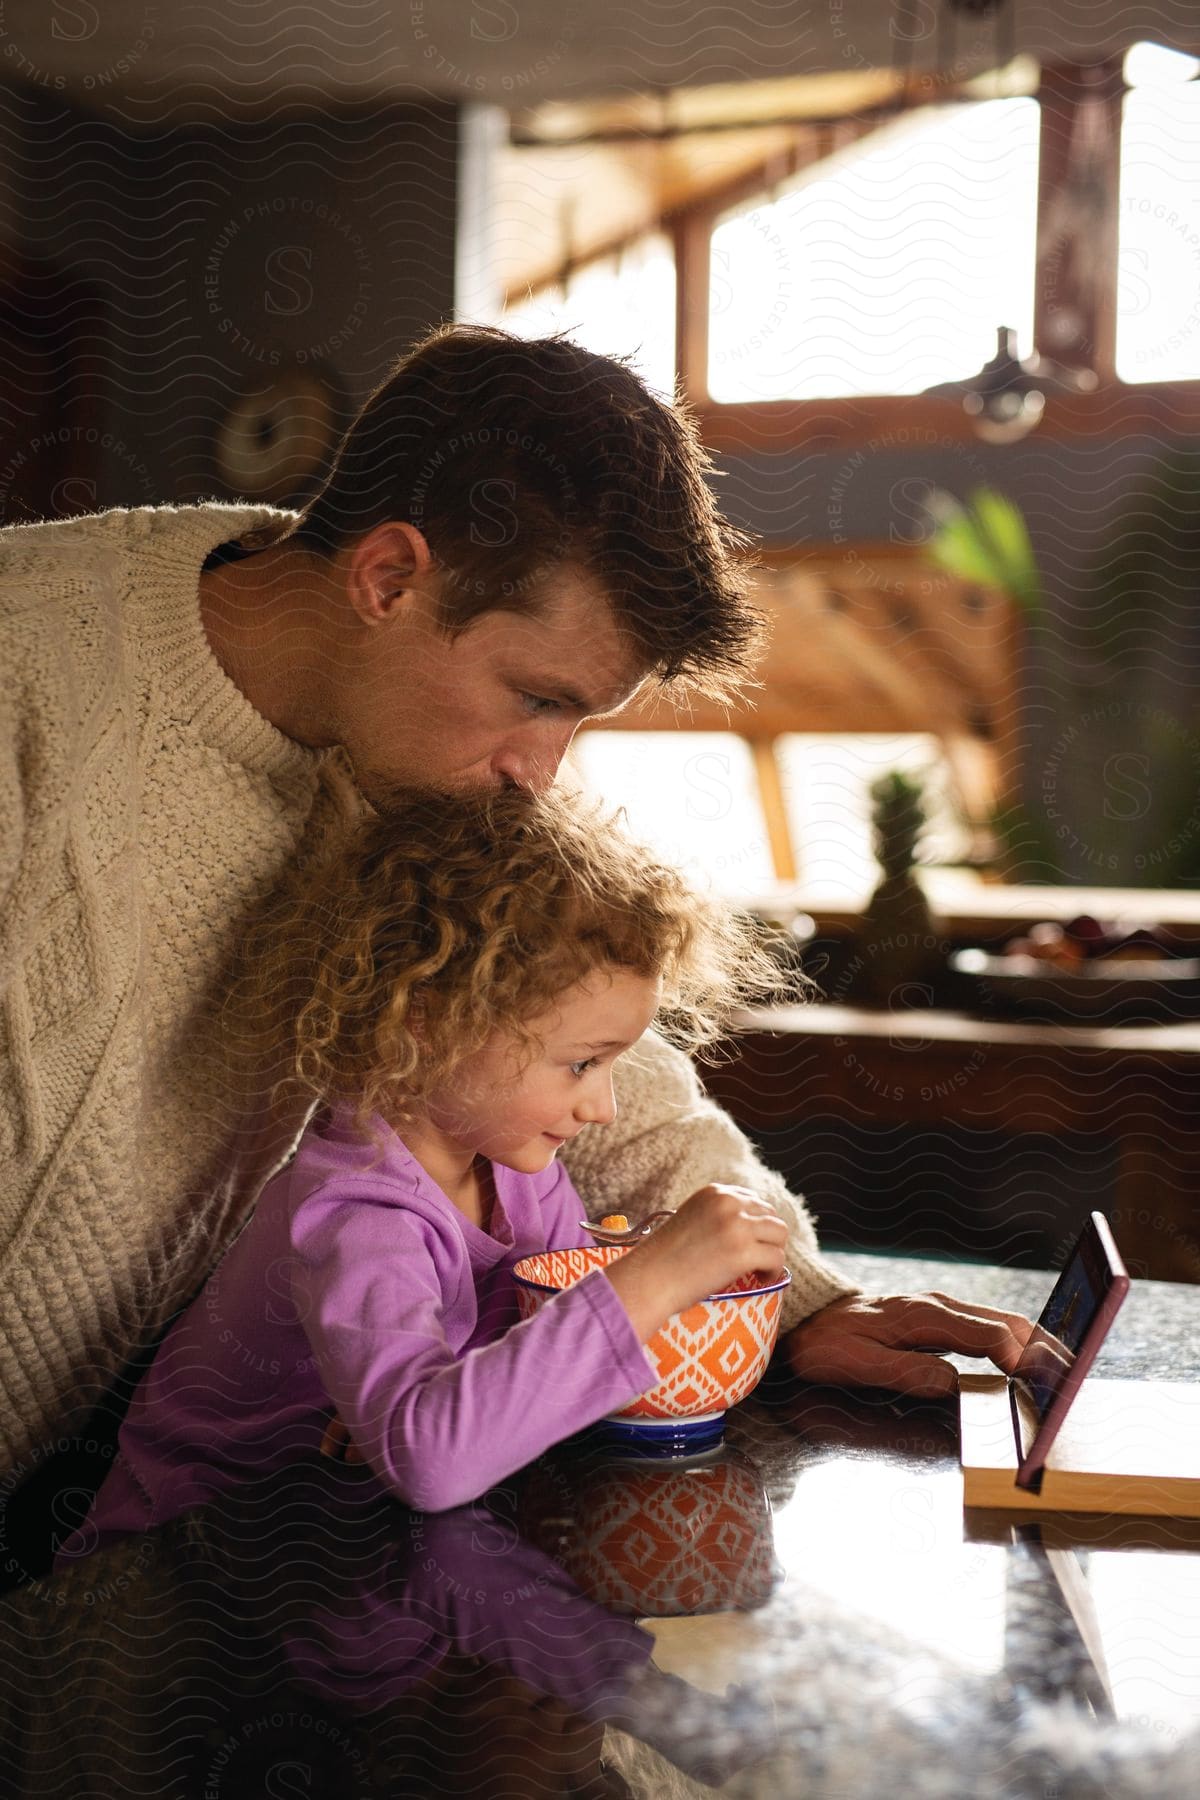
(970, 908)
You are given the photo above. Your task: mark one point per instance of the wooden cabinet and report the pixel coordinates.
(1135, 1089)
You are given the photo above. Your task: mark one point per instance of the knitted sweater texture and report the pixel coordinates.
(146, 810)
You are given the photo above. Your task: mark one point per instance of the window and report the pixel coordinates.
(826, 779)
(1158, 257)
(885, 268)
(615, 305)
(692, 795)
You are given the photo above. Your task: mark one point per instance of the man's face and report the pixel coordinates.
(498, 705)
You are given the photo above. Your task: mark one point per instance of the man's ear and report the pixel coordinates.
(385, 568)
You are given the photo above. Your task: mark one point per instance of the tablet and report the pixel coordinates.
(1062, 1348)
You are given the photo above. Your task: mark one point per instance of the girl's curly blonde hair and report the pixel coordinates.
(450, 918)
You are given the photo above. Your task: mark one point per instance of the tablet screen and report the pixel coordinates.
(1063, 1344)
(1065, 1321)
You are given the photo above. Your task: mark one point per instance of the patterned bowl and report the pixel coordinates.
(658, 1542)
(708, 1357)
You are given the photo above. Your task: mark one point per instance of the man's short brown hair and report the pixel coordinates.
(516, 457)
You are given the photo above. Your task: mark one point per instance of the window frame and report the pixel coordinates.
(1163, 409)
(838, 422)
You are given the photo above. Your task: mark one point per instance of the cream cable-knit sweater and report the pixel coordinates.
(145, 810)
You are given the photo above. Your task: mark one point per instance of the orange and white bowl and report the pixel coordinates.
(708, 1357)
(658, 1542)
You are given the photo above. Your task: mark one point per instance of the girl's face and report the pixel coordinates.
(520, 1117)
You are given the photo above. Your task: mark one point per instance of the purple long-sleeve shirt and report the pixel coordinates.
(365, 1289)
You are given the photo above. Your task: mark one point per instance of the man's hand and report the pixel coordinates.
(886, 1340)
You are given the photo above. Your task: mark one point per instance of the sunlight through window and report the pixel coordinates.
(615, 305)
(692, 795)
(826, 779)
(1158, 255)
(887, 267)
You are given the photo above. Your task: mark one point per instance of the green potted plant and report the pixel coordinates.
(985, 540)
(1126, 758)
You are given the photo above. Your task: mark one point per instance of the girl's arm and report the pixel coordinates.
(466, 1584)
(373, 1286)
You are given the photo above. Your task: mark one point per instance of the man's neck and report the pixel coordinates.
(262, 619)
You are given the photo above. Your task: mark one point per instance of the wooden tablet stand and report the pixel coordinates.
(1125, 1447)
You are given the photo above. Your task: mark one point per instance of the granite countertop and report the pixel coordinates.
(807, 1611)
(1156, 1333)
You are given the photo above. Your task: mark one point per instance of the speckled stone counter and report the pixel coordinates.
(807, 1611)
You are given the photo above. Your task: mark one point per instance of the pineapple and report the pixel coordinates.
(898, 955)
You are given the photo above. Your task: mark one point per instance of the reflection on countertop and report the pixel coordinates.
(805, 1611)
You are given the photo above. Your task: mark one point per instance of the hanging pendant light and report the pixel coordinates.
(1006, 399)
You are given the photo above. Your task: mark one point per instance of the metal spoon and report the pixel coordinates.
(630, 1236)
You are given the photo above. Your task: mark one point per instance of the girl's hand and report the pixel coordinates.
(719, 1234)
(338, 1444)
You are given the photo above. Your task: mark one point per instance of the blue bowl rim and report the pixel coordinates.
(661, 1428)
(544, 1287)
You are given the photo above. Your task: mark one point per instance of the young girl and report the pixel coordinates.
(452, 990)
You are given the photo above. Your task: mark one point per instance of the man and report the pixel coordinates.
(514, 538)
